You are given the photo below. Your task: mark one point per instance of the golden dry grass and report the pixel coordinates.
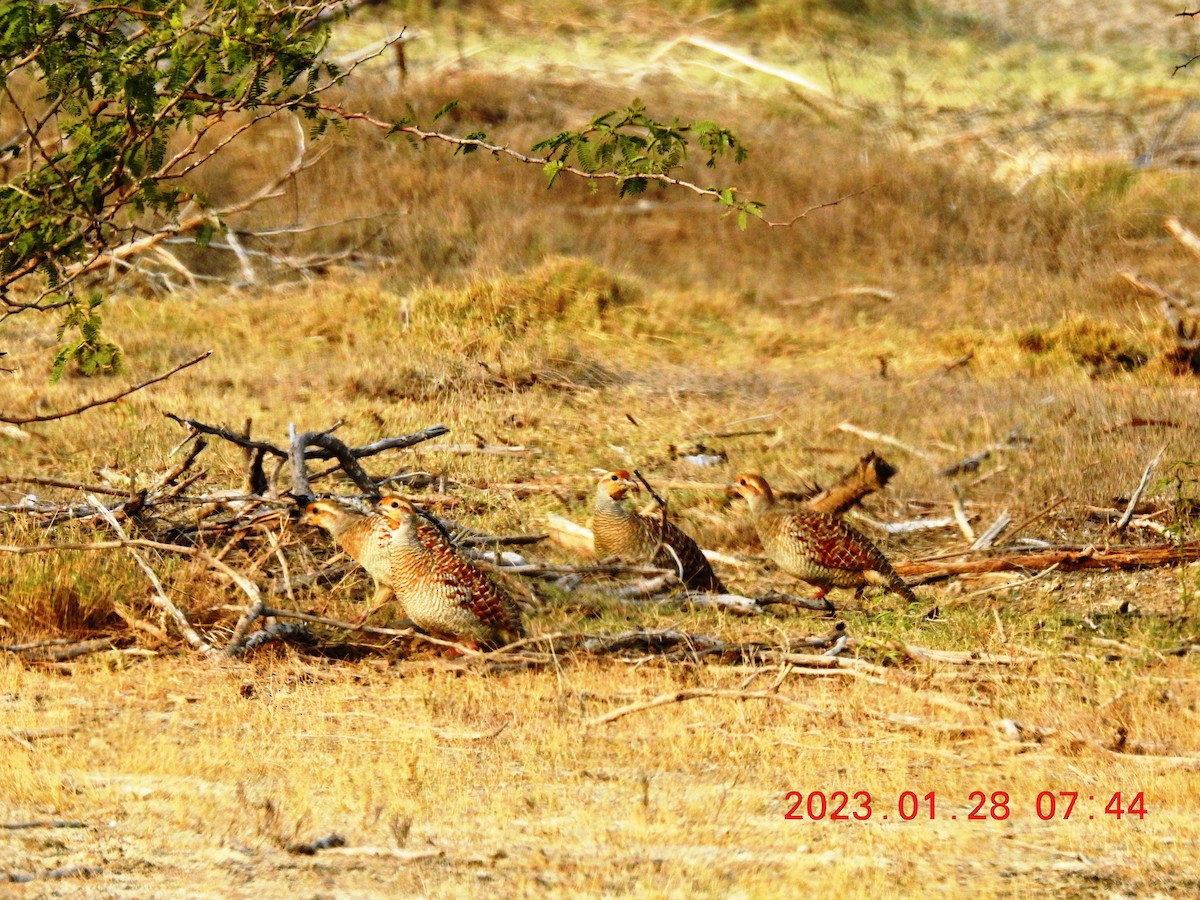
(192, 778)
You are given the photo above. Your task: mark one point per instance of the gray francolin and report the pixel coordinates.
(817, 547)
(618, 531)
(442, 591)
(364, 537)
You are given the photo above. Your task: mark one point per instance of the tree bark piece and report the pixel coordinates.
(871, 473)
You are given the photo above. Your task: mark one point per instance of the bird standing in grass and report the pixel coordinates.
(442, 591)
(365, 537)
(817, 547)
(618, 531)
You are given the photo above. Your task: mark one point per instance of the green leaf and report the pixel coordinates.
(204, 234)
(447, 107)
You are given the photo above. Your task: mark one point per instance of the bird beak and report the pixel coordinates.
(298, 514)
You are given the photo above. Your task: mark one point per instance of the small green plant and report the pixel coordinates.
(92, 352)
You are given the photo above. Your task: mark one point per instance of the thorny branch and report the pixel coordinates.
(50, 417)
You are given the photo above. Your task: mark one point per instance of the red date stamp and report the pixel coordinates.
(995, 806)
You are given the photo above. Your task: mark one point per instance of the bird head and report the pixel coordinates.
(754, 490)
(395, 508)
(617, 484)
(320, 513)
(323, 513)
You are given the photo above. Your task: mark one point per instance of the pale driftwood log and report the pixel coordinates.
(908, 526)
(648, 587)
(813, 92)
(1184, 235)
(568, 534)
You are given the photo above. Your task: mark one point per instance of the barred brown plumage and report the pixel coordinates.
(617, 531)
(817, 547)
(442, 591)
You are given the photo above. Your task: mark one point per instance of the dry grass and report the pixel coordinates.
(193, 778)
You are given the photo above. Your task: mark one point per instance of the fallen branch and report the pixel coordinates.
(805, 84)
(50, 417)
(486, 449)
(298, 451)
(879, 438)
(697, 693)
(985, 540)
(1136, 497)
(1068, 560)
(395, 443)
(64, 652)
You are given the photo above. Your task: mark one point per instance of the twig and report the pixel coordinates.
(696, 693)
(49, 417)
(908, 526)
(394, 443)
(47, 823)
(838, 646)
(957, 601)
(850, 428)
(1136, 497)
(960, 515)
(487, 449)
(1037, 517)
(62, 653)
(159, 598)
(653, 493)
(994, 531)
(60, 483)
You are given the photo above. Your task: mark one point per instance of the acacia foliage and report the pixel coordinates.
(100, 90)
(114, 102)
(116, 83)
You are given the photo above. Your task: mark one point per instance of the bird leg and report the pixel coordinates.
(381, 598)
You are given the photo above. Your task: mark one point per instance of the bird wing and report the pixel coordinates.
(697, 572)
(476, 591)
(836, 544)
